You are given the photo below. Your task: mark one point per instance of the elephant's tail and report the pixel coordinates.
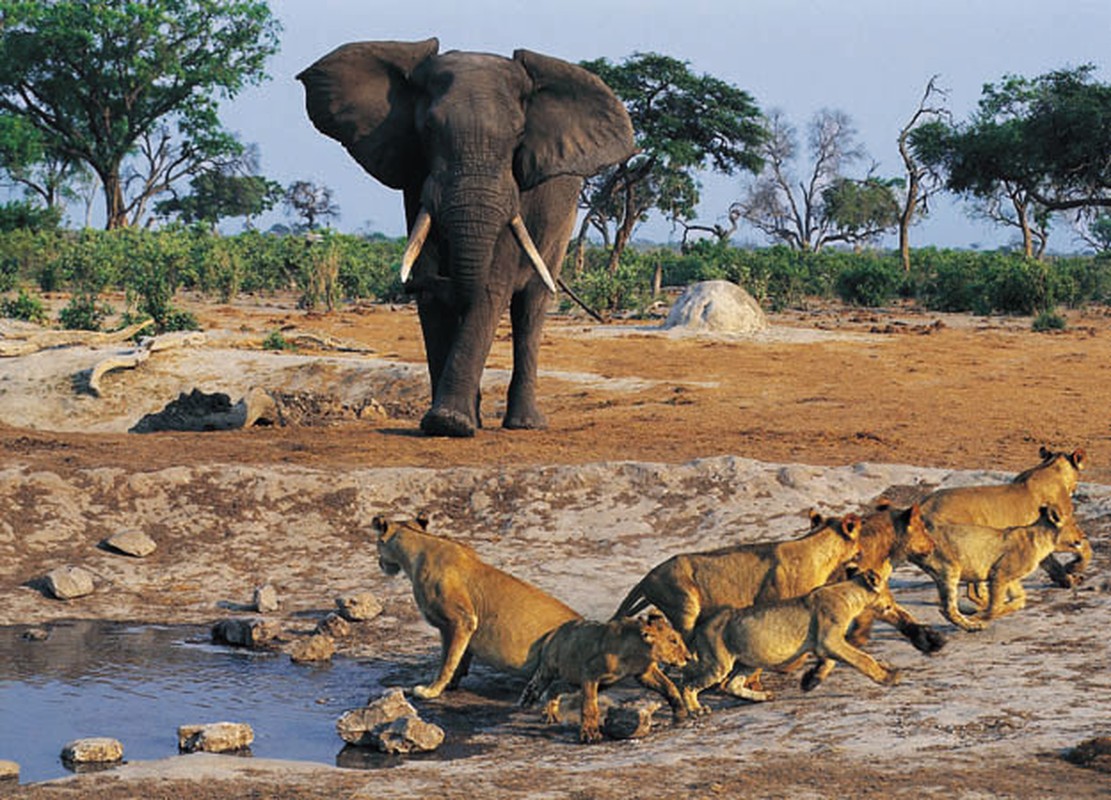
(633, 604)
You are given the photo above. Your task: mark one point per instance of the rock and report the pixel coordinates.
(9, 771)
(717, 306)
(93, 750)
(629, 720)
(358, 725)
(409, 735)
(359, 607)
(67, 583)
(203, 411)
(317, 647)
(266, 599)
(131, 543)
(215, 737)
(1092, 753)
(36, 634)
(335, 626)
(245, 632)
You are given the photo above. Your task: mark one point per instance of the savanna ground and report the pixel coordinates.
(827, 393)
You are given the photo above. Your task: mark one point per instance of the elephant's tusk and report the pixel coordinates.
(419, 233)
(529, 246)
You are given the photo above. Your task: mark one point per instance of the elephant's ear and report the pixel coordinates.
(574, 124)
(359, 94)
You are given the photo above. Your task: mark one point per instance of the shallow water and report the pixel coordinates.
(137, 684)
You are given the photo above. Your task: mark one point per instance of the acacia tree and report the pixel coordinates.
(311, 202)
(231, 190)
(682, 123)
(922, 180)
(825, 205)
(113, 82)
(1043, 141)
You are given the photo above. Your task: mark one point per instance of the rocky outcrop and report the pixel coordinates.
(215, 737)
(93, 750)
(716, 307)
(389, 724)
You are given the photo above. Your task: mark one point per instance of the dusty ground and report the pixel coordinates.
(658, 444)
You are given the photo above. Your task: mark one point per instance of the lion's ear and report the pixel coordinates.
(1045, 453)
(850, 526)
(872, 580)
(423, 519)
(1053, 514)
(1077, 458)
(914, 514)
(815, 519)
(378, 524)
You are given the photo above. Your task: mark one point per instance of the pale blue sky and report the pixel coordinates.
(869, 58)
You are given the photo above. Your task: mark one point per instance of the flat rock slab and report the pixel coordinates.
(69, 582)
(93, 750)
(215, 737)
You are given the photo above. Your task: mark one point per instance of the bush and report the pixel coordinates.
(1048, 321)
(870, 282)
(83, 314)
(24, 307)
(276, 341)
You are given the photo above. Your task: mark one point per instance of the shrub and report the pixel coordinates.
(83, 314)
(24, 307)
(1048, 321)
(869, 282)
(276, 341)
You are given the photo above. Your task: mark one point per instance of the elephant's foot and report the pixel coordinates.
(529, 421)
(446, 422)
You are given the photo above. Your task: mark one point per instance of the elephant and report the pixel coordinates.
(490, 154)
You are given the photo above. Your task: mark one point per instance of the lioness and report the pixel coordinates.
(478, 609)
(890, 535)
(688, 588)
(1001, 558)
(594, 655)
(1052, 482)
(781, 634)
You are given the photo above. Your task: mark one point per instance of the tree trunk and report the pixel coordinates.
(113, 201)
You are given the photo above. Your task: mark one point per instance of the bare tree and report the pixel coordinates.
(791, 209)
(922, 181)
(310, 202)
(1012, 206)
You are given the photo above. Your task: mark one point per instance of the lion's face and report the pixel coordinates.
(390, 557)
(917, 541)
(666, 643)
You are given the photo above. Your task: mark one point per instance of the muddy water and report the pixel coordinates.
(138, 684)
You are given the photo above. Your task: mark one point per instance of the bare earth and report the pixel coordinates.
(658, 444)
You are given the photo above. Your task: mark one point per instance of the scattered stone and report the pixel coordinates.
(245, 632)
(215, 737)
(202, 411)
(36, 634)
(358, 725)
(717, 306)
(93, 750)
(317, 647)
(1093, 753)
(629, 720)
(67, 583)
(409, 735)
(266, 599)
(359, 607)
(131, 543)
(9, 771)
(335, 626)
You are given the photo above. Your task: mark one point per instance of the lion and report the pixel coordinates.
(478, 609)
(781, 634)
(891, 535)
(594, 655)
(999, 558)
(1052, 482)
(688, 588)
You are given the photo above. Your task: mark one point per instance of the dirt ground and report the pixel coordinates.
(658, 443)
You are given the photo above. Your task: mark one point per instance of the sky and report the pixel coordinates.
(870, 59)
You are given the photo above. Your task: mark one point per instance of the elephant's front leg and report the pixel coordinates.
(527, 311)
(457, 345)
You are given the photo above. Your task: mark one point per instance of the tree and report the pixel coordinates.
(29, 162)
(108, 81)
(825, 206)
(310, 202)
(1045, 139)
(1011, 206)
(682, 123)
(223, 192)
(922, 181)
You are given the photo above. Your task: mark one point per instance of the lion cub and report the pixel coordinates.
(1001, 558)
(779, 635)
(478, 609)
(594, 655)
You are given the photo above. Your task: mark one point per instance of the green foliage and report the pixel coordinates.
(216, 195)
(1048, 321)
(276, 341)
(25, 307)
(870, 282)
(83, 313)
(97, 78)
(24, 215)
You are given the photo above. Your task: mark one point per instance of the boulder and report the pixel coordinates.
(131, 543)
(716, 307)
(68, 583)
(245, 632)
(359, 607)
(204, 411)
(363, 726)
(335, 626)
(1093, 753)
(409, 735)
(93, 750)
(317, 647)
(215, 737)
(266, 599)
(9, 771)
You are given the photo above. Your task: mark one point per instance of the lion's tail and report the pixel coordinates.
(633, 604)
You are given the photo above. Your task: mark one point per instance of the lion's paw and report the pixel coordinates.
(426, 692)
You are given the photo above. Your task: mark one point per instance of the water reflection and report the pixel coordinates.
(137, 684)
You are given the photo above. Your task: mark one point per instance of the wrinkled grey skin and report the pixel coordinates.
(474, 139)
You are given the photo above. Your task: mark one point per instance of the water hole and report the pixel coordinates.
(137, 684)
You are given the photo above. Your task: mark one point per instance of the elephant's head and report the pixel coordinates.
(464, 134)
